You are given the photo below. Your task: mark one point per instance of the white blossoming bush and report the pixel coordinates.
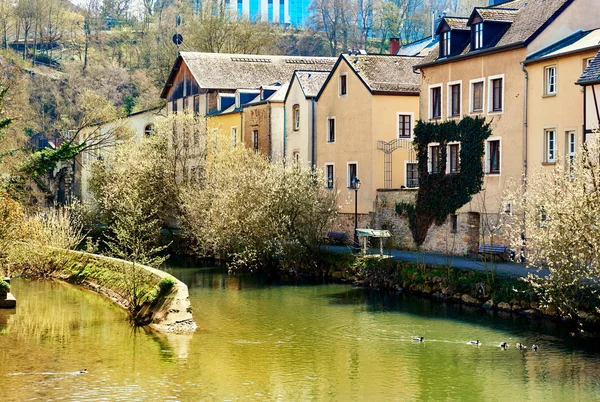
(258, 214)
(560, 207)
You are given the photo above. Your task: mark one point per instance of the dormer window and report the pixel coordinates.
(445, 46)
(478, 36)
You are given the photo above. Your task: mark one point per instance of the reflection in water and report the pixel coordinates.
(274, 341)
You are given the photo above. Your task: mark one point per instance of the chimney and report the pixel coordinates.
(394, 45)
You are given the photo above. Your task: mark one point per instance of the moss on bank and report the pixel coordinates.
(152, 297)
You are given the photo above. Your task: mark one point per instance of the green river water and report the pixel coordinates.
(260, 341)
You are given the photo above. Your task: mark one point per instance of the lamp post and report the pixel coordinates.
(355, 185)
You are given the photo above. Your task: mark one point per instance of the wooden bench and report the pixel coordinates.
(494, 250)
(337, 238)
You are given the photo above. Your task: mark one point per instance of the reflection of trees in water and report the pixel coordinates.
(55, 310)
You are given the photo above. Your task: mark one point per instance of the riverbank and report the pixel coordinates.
(152, 297)
(487, 289)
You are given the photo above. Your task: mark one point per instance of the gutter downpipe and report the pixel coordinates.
(312, 134)
(525, 110)
(284, 132)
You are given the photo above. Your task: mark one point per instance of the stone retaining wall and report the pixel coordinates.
(170, 313)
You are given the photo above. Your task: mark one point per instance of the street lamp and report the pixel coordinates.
(355, 184)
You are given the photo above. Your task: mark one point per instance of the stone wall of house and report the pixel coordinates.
(472, 228)
(257, 118)
(440, 239)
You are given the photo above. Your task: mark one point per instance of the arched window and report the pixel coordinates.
(149, 129)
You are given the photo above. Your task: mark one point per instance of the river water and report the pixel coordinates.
(260, 341)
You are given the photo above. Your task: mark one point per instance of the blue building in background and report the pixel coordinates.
(293, 12)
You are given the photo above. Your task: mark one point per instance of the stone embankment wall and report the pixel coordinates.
(440, 239)
(505, 294)
(170, 312)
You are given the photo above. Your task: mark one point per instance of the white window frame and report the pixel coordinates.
(334, 130)
(550, 141)
(472, 93)
(234, 136)
(325, 165)
(406, 163)
(412, 124)
(491, 94)
(487, 160)
(449, 100)
(296, 116)
(348, 172)
(340, 94)
(448, 156)
(478, 36)
(547, 91)
(430, 99)
(446, 37)
(570, 154)
(429, 154)
(254, 139)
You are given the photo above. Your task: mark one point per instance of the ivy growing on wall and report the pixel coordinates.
(440, 193)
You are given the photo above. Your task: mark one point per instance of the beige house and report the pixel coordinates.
(138, 124)
(300, 116)
(476, 70)
(555, 113)
(366, 112)
(263, 121)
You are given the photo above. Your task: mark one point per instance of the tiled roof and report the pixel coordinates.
(232, 71)
(531, 15)
(311, 81)
(591, 75)
(385, 73)
(580, 40)
(456, 23)
(497, 14)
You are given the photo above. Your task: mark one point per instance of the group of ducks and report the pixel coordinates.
(503, 345)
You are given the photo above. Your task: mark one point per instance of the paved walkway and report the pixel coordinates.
(502, 268)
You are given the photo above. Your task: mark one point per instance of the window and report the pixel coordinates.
(185, 104)
(329, 175)
(174, 107)
(496, 94)
(331, 129)
(586, 62)
(436, 102)
(296, 156)
(343, 84)
(149, 129)
(571, 147)
(234, 136)
(454, 153)
(453, 223)
(352, 172)
(477, 96)
(197, 104)
(404, 125)
(445, 45)
(478, 36)
(550, 79)
(255, 139)
(412, 174)
(454, 100)
(296, 117)
(434, 159)
(550, 136)
(493, 157)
